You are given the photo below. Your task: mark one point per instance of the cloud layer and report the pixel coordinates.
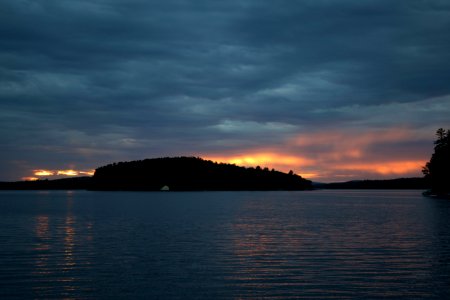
(342, 87)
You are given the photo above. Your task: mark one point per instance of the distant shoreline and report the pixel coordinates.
(84, 183)
(413, 183)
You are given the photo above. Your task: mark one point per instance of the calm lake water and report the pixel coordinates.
(230, 245)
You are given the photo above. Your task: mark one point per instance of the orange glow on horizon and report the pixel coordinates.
(278, 161)
(67, 172)
(326, 156)
(43, 173)
(90, 173)
(29, 178)
(385, 168)
(54, 173)
(263, 159)
(308, 175)
(329, 168)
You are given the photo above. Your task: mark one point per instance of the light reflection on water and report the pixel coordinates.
(59, 254)
(247, 245)
(331, 254)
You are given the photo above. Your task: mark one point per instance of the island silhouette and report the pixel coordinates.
(192, 174)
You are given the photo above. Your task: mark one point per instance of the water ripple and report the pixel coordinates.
(284, 245)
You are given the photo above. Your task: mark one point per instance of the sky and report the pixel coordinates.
(333, 90)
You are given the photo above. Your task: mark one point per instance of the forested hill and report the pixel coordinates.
(192, 174)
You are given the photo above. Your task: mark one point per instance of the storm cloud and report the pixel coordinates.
(84, 83)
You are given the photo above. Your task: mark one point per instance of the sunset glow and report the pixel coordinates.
(43, 173)
(323, 156)
(337, 155)
(388, 168)
(29, 178)
(67, 172)
(263, 159)
(322, 168)
(89, 173)
(308, 175)
(58, 173)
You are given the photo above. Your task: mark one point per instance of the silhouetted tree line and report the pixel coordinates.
(437, 170)
(192, 174)
(75, 183)
(399, 183)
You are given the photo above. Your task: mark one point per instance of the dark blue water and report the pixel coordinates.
(231, 245)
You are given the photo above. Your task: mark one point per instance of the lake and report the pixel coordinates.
(324, 244)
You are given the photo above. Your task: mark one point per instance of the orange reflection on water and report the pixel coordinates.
(69, 260)
(257, 244)
(69, 233)
(42, 247)
(42, 226)
(69, 241)
(57, 258)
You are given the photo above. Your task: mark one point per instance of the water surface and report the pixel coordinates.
(230, 245)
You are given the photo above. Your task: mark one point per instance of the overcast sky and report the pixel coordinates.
(334, 90)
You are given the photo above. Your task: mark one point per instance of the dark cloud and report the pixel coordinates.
(88, 82)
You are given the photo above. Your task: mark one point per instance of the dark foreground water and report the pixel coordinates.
(232, 245)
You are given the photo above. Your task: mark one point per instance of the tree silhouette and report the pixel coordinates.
(192, 174)
(437, 170)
